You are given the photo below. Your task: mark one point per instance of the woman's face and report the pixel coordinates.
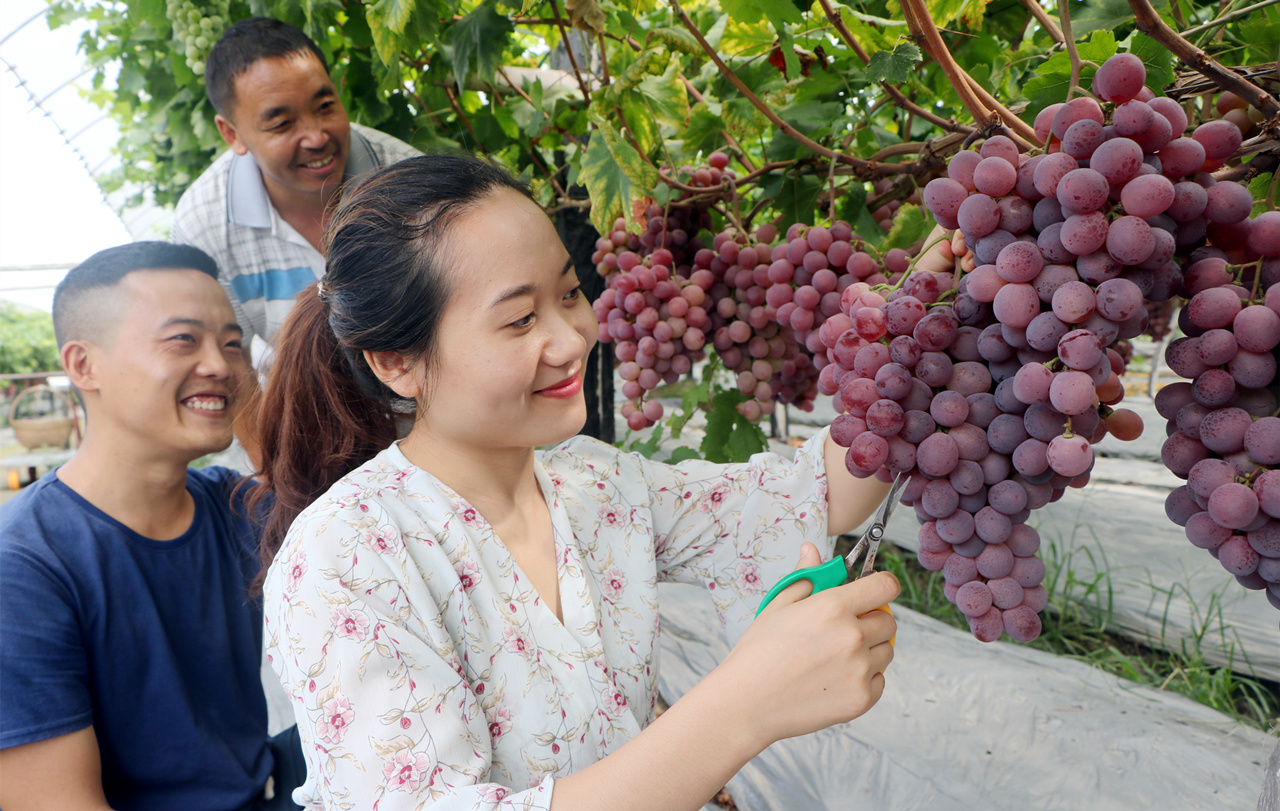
(513, 341)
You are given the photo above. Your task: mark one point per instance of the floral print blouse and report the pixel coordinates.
(425, 672)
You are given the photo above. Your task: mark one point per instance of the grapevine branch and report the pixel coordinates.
(1149, 23)
(925, 30)
(457, 110)
(837, 22)
(1046, 22)
(568, 46)
(861, 167)
(1072, 52)
(1226, 18)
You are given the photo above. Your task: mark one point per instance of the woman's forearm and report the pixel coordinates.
(850, 501)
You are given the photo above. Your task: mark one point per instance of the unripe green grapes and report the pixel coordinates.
(195, 32)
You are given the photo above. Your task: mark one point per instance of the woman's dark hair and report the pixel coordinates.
(323, 411)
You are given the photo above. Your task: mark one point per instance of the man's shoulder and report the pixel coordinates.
(41, 498)
(210, 186)
(387, 149)
(225, 490)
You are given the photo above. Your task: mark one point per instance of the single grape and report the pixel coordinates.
(1069, 455)
(1120, 78)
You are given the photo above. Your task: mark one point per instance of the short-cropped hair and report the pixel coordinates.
(243, 44)
(106, 268)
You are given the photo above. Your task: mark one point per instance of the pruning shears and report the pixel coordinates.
(838, 571)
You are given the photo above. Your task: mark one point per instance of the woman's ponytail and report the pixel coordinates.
(313, 423)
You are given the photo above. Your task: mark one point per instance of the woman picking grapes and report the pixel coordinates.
(464, 621)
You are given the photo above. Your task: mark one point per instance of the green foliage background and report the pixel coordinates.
(428, 71)
(26, 341)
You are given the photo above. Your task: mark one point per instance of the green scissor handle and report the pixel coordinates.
(826, 576)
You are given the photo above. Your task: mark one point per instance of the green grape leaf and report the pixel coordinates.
(645, 447)
(753, 11)
(1260, 188)
(391, 14)
(704, 133)
(614, 174)
(811, 116)
(507, 122)
(695, 397)
(969, 12)
(387, 20)
(746, 440)
(796, 196)
(1157, 59)
(852, 208)
(911, 224)
(730, 437)
(682, 454)
(778, 13)
(871, 38)
(641, 123)
(678, 40)
(478, 39)
(896, 66)
(744, 121)
(666, 97)
(1100, 15)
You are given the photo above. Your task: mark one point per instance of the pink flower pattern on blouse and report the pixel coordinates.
(424, 670)
(335, 716)
(347, 624)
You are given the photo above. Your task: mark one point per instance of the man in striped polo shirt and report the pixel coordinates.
(260, 209)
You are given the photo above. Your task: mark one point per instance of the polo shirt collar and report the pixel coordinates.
(247, 200)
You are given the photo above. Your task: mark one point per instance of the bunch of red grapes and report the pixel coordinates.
(990, 391)
(759, 304)
(1224, 432)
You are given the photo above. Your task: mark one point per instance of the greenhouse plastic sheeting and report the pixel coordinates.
(966, 725)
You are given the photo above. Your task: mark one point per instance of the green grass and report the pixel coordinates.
(1077, 626)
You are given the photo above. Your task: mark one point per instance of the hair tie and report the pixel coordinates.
(321, 292)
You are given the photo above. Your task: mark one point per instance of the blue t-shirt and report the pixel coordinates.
(156, 644)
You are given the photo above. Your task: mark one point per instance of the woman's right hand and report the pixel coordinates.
(810, 661)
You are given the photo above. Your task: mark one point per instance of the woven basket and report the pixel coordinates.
(40, 432)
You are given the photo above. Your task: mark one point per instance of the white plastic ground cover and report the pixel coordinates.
(966, 725)
(1154, 586)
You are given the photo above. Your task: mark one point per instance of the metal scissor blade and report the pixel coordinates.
(870, 540)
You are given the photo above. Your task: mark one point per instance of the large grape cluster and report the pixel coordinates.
(1071, 247)
(197, 27)
(759, 301)
(992, 399)
(1224, 432)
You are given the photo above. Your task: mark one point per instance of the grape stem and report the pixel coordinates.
(1148, 22)
(911, 266)
(1257, 275)
(1226, 18)
(1073, 89)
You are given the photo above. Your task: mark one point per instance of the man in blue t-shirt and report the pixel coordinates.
(131, 643)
